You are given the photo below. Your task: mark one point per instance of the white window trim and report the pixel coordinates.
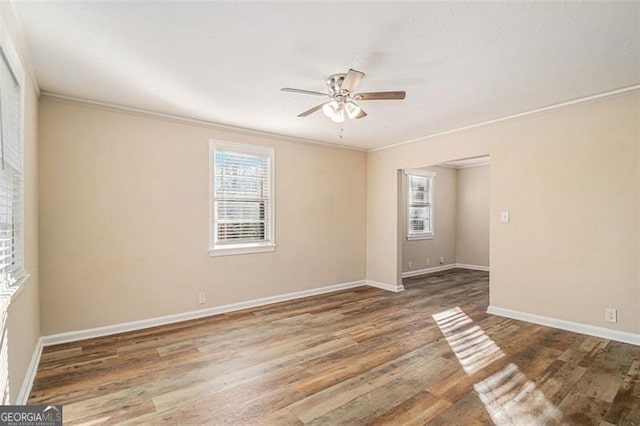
(245, 248)
(17, 287)
(8, 50)
(426, 235)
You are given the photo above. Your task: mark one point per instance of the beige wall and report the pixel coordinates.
(444, 242)
(124, 225)
(23, 322)
(472, 216)
(570, 179)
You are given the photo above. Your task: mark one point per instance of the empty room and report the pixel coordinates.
(287, 213)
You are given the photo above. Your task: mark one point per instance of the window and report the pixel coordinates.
(420, 186)
(12, 272)
(241, 199)
(11, 184)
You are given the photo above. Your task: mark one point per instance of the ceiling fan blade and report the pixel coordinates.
(311, 111)
(361, 114)
(351, 80)
(306, 92)
(375, 96)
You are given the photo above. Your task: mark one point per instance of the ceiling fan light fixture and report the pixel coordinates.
(341, 90)
(352, 109)
(338, 115)
(330, 108)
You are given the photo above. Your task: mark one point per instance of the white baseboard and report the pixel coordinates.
(384, 286)
(473, 267)
(444, 268)
(591, 330)
(30, 376)
(72, 336)
(428, 270)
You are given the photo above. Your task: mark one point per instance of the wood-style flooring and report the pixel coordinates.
(428, 355)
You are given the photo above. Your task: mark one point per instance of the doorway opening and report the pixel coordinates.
(443, 217)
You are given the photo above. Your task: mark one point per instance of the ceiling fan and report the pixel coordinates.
(341, 95)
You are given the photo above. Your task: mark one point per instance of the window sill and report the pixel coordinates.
(421, 237)
(243, 249)
(16, 288)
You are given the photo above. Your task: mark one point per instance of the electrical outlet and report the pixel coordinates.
(427, 261)
(611, 315)
(442, 260)
(202, 297)
(409, 265)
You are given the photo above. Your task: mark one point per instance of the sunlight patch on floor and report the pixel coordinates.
(509, 396)
(473, 348)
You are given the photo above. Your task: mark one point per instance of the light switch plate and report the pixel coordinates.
(504, 216)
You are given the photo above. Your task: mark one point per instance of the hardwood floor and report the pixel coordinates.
(364, 356)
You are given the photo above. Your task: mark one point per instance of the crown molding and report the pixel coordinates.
(511, 117)
(188, 120)
(261, 133)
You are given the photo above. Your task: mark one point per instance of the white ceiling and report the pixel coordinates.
(460, 63)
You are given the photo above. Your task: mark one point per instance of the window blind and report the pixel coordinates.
(419, 205)
(242, 197)
(11, 184)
